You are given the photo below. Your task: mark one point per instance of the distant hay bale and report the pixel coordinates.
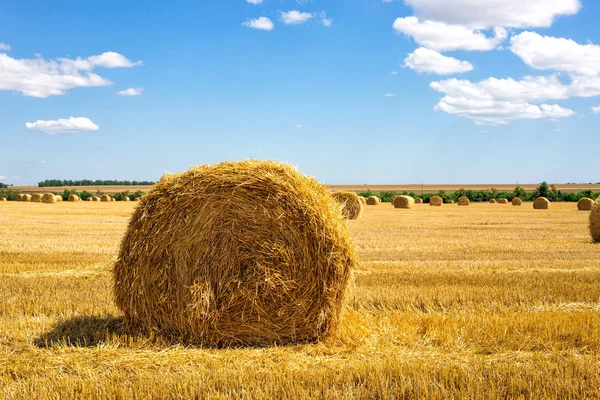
(90, 199)
(418, 200)
(517, 201)
(105, 198)
(58, 198)
(363, 199)
(436, 201)
(373, 200)
(450, 201)
(36, 198)
(3, 199)
(595, 221)
(238, 253)
(463, 201)
(136, 199)
(73, 198)
(403, 202)
(96, 198)
(125, 198)
(350, 204)
(541, 203)
(585, 204)
(26, 197)
(49, 198)
(502, 201)
(19, 197)
(493, 201)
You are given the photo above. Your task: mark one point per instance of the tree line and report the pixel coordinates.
(89, 182)
(543, 190)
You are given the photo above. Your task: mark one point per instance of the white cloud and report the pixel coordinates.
(42, 78)
(496, 112)
(131, 92)
(325, 21)
(71, 125)
(596, 110)
(499, 101)
(4, 46)
(299, 126)
(430, 61)
(443, 37)
(255, 1)
(394, 72)
(483, 14)
(389, 95)
(295, 17)
(546, 52)
(386, 1)
(262, 23)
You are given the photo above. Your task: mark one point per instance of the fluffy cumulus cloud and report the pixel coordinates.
(4, 47)
(499, 101)
(441, 36)
(255, 1)
(484, 14)
(131, 92)
(262, 23)
(63, 125)
(424, 60)
(42, 78)
(295, 17)
(546, 52)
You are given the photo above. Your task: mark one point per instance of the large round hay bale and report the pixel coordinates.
(36, 198)
(96, 198)
(49, 198)
(541, 203)
(493, 201)
(585, 204)
(373, 201)
(517, 201)
(436, 201)
(463, 201)
(595, 221)
(502, 201)
(125, 198)
(73, 198)
(113, 199)
(248, 253)
(58, 198)
(105, 198)
(418, 200)
(403, 202)
(19, 197)
(349, 203)
(26, 197)
(363, 199)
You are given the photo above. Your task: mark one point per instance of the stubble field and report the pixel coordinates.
(475, 302)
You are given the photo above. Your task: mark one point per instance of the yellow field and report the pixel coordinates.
(353, 188)
(479, 302)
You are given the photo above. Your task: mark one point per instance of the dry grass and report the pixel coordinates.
(472, 302)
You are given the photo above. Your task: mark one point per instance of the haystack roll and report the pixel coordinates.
(349, 204)
(363, 199)
(49, 198)
(517, 201)
(73, 198)
(403, 202)
(105, 198)
(541, 203)
(436, 201)
(418, 200)
(585, 204)
(502, 201)
(463, 201)
(493, 201)
(373, 201)
(36, 198)
(249, 253)
(595, 221)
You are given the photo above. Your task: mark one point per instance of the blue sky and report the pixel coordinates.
(370, 91)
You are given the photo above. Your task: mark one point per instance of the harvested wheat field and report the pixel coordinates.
(448, 302)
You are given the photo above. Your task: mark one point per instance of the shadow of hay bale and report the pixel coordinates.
(89, 331)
